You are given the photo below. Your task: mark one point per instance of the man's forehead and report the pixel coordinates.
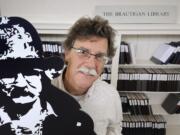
(92, 38)
(95, 44)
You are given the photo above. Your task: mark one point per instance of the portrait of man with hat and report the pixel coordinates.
(29, 104)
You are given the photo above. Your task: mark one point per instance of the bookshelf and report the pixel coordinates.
(144, 39)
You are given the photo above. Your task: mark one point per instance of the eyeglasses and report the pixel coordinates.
(83, 52)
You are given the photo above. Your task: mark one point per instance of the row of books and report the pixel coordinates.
(163, 74)
(143, 125)
(167, 53)
(51, 48)
(140, 85)
(135, 103)
(106, 75)
(148, 79)
(125, 53)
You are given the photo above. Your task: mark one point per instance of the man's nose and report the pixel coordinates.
(92, 61)
(20, 80)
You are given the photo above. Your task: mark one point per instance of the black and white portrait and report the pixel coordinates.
(29, 104)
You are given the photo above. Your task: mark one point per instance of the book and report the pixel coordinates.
(162, 54)
(172, 103)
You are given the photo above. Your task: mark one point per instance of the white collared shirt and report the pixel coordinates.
(102, 102)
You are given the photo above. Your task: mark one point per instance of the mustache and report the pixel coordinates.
(88, 71)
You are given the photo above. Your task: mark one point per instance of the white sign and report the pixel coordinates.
(138, 14)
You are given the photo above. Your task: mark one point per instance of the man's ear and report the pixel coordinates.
(66, 55)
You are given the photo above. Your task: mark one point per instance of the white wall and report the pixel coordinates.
(66, 11)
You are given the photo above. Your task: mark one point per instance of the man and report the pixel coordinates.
(29, 104)
(88, 47)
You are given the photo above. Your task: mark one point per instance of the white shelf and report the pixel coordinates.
(172, 130)
(150, 65)
(59, 28)
(154, 29)
(52, 28)
(173, 120)
(145, 39)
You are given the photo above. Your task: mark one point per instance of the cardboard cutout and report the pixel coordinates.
(29, 104)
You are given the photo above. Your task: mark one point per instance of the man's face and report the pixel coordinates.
(22, 88)
(79, 81)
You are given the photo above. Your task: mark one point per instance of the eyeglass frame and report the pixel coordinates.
(100, 57)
